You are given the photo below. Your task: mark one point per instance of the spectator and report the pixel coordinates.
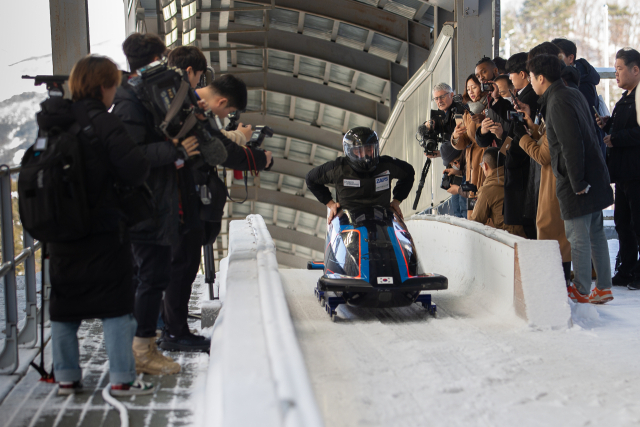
(491, 195)
(582, 185)
(570, 75)
(548, 219)
(501, 64)
(589, 79)
(443, 98)
(623, 141)
(454, 163)
(91, 277)
(216, 101)
(152, 239)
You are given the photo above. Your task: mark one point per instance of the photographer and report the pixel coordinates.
(152, 239)
(444, 125)
(488, 208)
(362, 177)
(623, 142)
(92, 277)
(452, 177)
(583, 184)
(225, 95)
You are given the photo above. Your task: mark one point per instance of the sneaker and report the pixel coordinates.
(621, 279)
(600, 296)
(634, 286)
(576, 296)
(188, 342)
(67, 388)
(149, 360)
(134, 388)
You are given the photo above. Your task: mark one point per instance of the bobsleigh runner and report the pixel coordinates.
(370, 261)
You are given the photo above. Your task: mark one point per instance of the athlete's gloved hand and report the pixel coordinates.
(395, 206)
(333, 210)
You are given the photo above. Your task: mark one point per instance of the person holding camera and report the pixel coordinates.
(583, 184)
(453, 177)
(92, 277)
(623, 142)
(361, 177)
(445, 124)
(488, 208)
(152, 239)
(228, 94)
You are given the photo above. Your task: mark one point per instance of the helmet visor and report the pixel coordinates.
(365, 156)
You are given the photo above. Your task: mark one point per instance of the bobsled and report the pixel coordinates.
(370, 261)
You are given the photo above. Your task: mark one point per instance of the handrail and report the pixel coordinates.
(14, 334)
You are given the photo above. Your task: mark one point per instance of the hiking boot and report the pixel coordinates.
(149, 360)
(634, 286)
(600, 296)
(188, 342)
(576, 296)
(67, 388)
(134, 388)
(621, 279)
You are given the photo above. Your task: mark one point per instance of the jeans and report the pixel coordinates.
(118, 339)
(588, 242)
(153, 275)
(627, 219)
(459, 206)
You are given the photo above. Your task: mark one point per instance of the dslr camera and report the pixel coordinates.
(448, 181)
(430, 138)
(258, 136)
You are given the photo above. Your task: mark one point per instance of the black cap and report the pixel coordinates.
(448, 153)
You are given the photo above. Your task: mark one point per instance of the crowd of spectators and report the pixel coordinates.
(537, 158)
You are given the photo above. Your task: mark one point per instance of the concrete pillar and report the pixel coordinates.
(473, 37)
(69, 33)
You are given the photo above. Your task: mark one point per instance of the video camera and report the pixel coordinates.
(429, 138)
(54, 83)
(165, 91)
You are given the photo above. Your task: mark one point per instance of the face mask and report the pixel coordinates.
(509, 99)
(454, 167)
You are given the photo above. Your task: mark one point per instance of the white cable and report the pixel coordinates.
(124, 415)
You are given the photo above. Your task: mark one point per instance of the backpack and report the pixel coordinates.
(52, 193)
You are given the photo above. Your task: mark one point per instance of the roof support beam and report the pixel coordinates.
(334, 31)
(345, 123)
(279, 198)
(296, 65)
(287, 147)
(300, 22)
(289, 260)
(291, 168)
(327, 73)
(326, 95)
(324, 50)
(292, 108)
(367, 44)
(421, 11)
(296, 237)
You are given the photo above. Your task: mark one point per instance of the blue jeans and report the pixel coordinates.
(588, 242)
(118, 339)
(459, 206)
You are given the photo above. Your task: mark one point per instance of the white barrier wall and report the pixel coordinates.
(257, 376)
(494, 270)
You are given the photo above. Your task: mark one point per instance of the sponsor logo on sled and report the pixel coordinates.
(385, 280)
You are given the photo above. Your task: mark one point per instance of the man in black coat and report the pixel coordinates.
(623, 140)
(362, 177)
(170, 183)
(582, 184)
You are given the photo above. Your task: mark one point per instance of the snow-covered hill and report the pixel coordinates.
(18, 128)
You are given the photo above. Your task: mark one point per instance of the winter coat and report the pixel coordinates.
(358, 189)
(529, 97)
(92, 277)
(589, 79)
(516, 165)
(490, 204)
(624, 156)
(472, 153)
(163, 177)
(549, 224)
(576, 158)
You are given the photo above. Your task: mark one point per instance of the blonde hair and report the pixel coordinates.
(90, 74)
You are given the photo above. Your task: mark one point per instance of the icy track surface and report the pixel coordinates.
(401, 367)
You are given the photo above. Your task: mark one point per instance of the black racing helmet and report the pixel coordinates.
(361, 148)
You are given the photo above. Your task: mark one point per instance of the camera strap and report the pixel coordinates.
(174, 108)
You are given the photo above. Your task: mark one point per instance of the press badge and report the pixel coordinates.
(382, 183)
(351, 183)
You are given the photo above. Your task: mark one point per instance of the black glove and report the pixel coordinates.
(519, 130)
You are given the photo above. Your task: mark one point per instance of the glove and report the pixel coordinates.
(519, 130)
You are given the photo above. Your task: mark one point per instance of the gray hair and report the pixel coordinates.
(442, 86)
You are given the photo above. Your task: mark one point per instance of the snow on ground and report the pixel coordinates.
(468, 367)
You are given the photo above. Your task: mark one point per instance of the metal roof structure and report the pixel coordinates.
(314, 69)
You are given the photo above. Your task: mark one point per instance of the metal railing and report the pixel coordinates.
(27, 333)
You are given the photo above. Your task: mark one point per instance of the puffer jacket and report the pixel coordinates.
(624, 156)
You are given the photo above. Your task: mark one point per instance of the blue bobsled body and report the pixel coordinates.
(370, 261)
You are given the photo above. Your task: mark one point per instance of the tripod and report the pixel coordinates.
(425, 171)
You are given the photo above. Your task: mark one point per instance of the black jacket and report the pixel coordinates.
(91, 277)
(529, 97)
(624, 156)
(358, 189)
(576, 158)
(516, 170)
(163, 177)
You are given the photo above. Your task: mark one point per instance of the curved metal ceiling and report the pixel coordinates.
(314, 69)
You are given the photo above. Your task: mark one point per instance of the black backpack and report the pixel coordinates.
(52, 193)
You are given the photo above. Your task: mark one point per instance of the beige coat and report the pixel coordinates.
(548, 221)
(490, 201)
(473, 153)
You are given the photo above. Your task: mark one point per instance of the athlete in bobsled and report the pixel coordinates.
(370, 259)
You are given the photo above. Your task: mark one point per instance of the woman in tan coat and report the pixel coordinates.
(548, 221)
(464, 137)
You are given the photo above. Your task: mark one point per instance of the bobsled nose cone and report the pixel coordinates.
(384, 296)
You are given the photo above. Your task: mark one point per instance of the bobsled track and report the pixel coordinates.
(506, 347)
